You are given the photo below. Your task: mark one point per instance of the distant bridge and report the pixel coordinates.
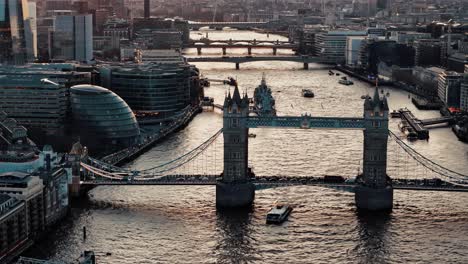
(238, 60)
(249, 47)
(208, 41)
(238, 25)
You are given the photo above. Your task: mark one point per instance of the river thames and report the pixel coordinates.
(140, 224)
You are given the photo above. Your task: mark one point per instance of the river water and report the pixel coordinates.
(181, 224)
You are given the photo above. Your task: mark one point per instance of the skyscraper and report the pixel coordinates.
(12, 31)
(72, 38)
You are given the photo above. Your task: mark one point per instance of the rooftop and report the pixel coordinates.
(89, 89)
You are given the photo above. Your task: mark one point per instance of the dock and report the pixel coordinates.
(415, 123)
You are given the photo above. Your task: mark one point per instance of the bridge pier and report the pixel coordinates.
(230, 195)
(199, 51)
(306, 66)
(371, 199)
(224, 51)
(274, 51)
(237, 66)
(249, 50)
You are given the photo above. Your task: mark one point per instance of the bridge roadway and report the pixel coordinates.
(237, 41)
(265, 182)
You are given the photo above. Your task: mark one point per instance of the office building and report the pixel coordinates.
(72, 38)
(13, 225)
(116, 29)
(162, 89)
(28, 188)
(464, 93)
(449, 88)
(331, 46)
(12, 31)
(353, 47)
(37, 95)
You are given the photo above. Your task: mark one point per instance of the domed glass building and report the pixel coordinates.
(101, 116)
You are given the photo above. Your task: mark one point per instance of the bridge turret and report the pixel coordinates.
(235, 188)
(375, 191)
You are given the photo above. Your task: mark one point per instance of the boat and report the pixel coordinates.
(337, 74)
(264, 103)
(395, 114)
(411, 134)
(345, 81)
(331, 73)
(307, 93)
(403, 125)
(252, 135)
(278, 214)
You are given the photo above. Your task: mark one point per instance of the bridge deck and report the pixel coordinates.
(274, 182)
(438, 120)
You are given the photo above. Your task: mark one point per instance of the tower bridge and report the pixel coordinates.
(236, 184)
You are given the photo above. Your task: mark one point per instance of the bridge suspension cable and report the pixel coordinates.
(112, 172)
(453, 176)
(196, 150)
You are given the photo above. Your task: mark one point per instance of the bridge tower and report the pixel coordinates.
(374, 190)
(235, 188)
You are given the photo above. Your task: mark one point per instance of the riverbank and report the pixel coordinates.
(130, 153)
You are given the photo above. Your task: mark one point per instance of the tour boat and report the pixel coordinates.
(278, 214)
(252, 135)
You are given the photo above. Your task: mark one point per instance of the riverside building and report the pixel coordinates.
(331, 46)
(37, 95)
(102, 118)
(160, 89)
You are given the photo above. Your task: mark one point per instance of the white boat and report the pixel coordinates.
(278, 214)
(345, 82)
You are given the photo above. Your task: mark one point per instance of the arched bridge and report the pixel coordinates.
(221, 25)
(306, 60)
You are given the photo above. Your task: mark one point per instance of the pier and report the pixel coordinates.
(415, 123)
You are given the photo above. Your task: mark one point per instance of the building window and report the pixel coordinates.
(235, 139)
(234, 122)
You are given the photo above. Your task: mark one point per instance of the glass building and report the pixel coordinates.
(72, 38)
(156, 88)
(99, 115)
(12, 31)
